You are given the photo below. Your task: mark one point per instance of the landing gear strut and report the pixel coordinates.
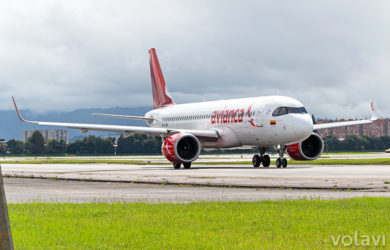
(281, 162)
(262, 158)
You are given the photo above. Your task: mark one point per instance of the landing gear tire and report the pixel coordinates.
(284, 163)
(187, 165)
(278, 163)
(281, 162)
(256, 160)
(266, 161)
(176, 165)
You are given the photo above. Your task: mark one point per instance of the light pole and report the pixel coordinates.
(115, 146)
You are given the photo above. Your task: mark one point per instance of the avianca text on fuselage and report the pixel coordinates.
(231, 116)
(228, 116)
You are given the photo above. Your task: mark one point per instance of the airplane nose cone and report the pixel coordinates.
(307, 125)
(303, 127)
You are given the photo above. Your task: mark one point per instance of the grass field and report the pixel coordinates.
(71, 161)
(372, 161)
(352, 153)
(300, 224)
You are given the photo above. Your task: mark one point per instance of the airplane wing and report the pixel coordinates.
(127, 130)
(348, 123)
(340, 124)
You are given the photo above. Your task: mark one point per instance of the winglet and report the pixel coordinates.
(373, 117)
(18, 113)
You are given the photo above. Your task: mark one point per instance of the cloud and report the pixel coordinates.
(333, 56)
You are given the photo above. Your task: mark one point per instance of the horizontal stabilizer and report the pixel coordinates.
(125, 117)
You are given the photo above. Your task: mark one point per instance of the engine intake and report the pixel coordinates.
(307, 150)
(181, 147)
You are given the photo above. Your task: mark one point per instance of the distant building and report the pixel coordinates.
(51, 134)
(380, 127)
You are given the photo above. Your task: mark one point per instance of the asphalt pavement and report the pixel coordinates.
(21, 190)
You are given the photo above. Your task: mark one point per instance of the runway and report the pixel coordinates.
(20, 190)
(356, 177)
(162, 183)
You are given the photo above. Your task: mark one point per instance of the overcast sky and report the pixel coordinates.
(334, 56)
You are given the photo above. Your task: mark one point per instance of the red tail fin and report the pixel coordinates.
(161, 96)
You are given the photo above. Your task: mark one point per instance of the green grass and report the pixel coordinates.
(352, 153)
(373, 161)
(71, 161)
(300, 224)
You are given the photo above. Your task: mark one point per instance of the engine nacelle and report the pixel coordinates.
(307, 150)
(181, 147)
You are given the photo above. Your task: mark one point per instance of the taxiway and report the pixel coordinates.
(130, 183)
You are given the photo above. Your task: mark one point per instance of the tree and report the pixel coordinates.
(36, 143)
(332, 143)
(104, 146)
(3, 146)
(15, 147)
(92, 145)
(77, 147)
(139, 144)
(56, 147)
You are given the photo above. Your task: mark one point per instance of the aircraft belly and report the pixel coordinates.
(250, 136)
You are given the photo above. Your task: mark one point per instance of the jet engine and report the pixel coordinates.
(307, 150)
(181, 148)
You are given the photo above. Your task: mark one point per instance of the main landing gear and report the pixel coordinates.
(262, 158)
(177, 165)
(281, 162)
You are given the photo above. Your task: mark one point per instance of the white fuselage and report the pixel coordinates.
(239, 122)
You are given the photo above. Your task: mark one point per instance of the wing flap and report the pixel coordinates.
(125, 117)
(104, 127)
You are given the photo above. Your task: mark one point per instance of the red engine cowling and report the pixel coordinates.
(307, 150)
(181, 147)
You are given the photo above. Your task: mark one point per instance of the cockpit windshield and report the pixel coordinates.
(289, 110)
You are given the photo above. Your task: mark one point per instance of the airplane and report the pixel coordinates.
(278, 122)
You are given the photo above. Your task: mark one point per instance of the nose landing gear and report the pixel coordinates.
(281, 162)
